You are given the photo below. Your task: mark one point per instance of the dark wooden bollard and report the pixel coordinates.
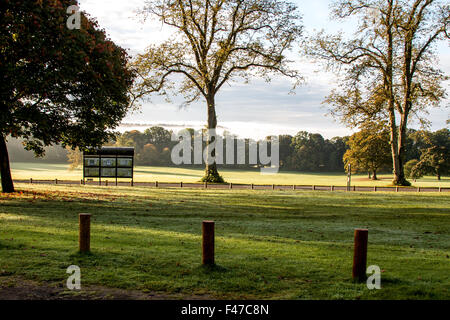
(84, 240)
(156, 184)
(208, 243)
(181, 184)
(252, 186)
(56, 181)
(206, 185)
(31, 180)
(360, 254)
(332, 188)
(273, 187)
(231, 185)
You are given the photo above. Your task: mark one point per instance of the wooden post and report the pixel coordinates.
(156, 184)
(375, 188)
(440, 189)
(31, 180)
(181, 184)
(252, 186)
(208, 243)
(206, 185)
(106, 182)
(332, 188)
(56, 181)
(418, 189)
(231, 185)
(273, 187)
(84, 239)
(360, 255)
(314, 187)
(293, 187)
(396, 189)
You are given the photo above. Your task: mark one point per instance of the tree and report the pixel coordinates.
(159, 137)
(74, 157)
(369, 149)
(410, 171)
(435, 159)
(57, 85)
(216, 42)
(390, 65)
(310, 152)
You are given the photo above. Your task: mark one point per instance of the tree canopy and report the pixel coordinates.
(216, 41)
(57, 85)
(389, 64)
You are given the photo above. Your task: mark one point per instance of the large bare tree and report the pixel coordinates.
(390, 64)
(215, 42)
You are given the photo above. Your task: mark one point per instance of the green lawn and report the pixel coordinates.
(275, 245)
(21, 170)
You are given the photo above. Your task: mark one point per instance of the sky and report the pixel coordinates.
(253, 110)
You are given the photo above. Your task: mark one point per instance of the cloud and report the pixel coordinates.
(256, 109)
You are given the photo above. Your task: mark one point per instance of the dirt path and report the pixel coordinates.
(16, 288)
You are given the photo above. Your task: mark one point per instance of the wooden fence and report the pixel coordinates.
(234, 186)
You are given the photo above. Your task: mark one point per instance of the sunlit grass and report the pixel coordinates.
(282, 244)
(44, 171)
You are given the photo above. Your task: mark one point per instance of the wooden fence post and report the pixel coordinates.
(252, 186)
(156, 184)
(396, 189)
(31, 180)
(293, 187)
(332, 188)
(206, 184)
(375, 188)
(273, 187)
(56, 181)
(231, 185)
(181, 184)
(208, 243)
(84, 239)
(360, 254)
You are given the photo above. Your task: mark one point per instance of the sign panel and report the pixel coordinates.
(108, 162)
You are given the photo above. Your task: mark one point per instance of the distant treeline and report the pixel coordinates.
(303, 152)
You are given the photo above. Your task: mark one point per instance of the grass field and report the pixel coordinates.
(274, 245)
(42, 171)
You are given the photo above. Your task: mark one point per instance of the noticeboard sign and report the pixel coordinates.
(108, 162)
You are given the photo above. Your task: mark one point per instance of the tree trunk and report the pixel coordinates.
(400, 177)
(5, 170)
(374, 175)
(211, 172)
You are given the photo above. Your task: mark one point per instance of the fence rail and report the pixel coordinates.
(234, 186)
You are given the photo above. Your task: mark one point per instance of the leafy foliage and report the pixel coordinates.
(369, 149)
(58, 85)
